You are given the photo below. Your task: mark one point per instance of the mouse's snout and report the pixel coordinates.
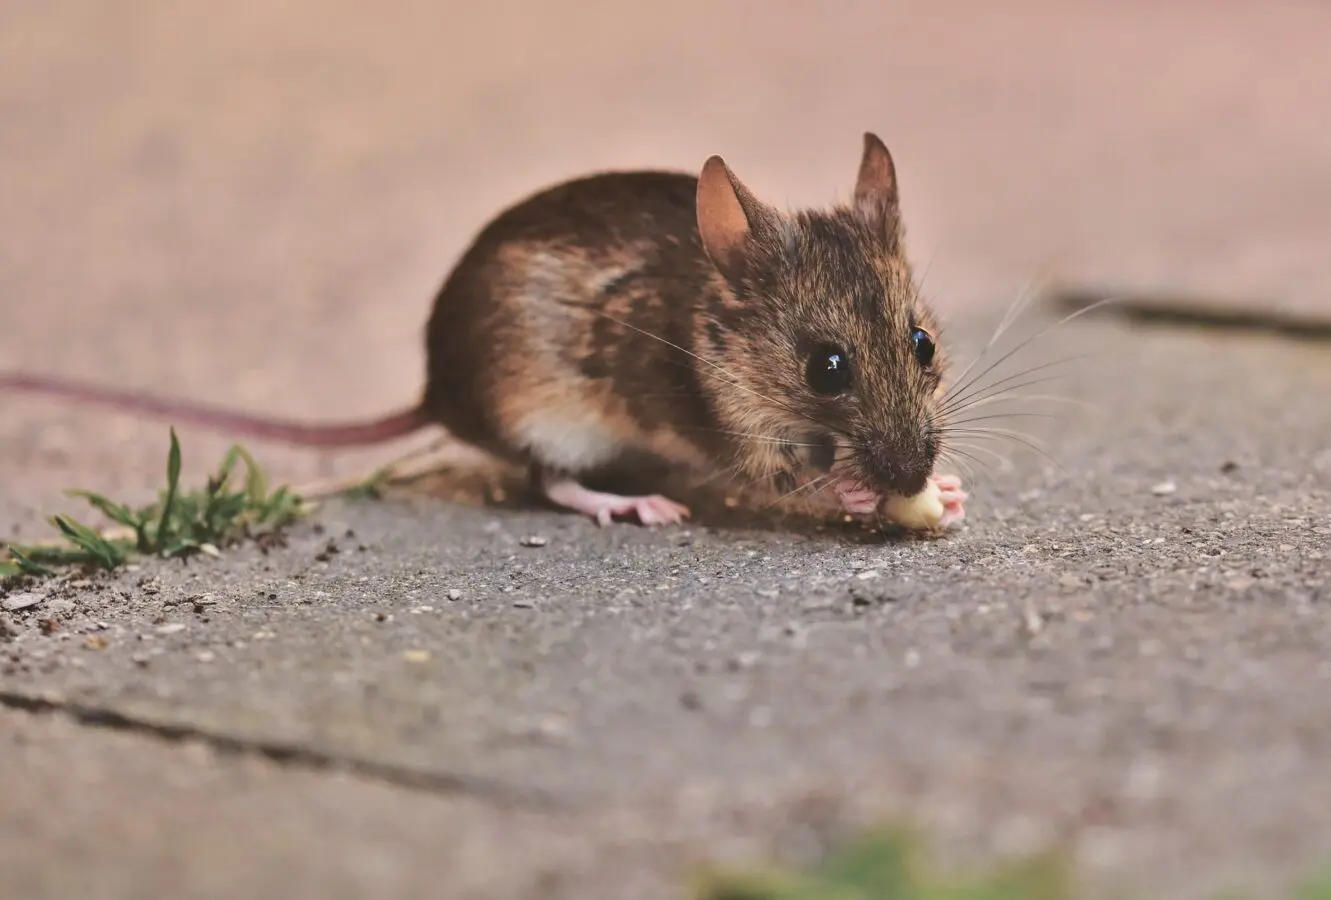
(898, 463)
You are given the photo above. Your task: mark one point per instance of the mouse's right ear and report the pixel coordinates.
(729, 217)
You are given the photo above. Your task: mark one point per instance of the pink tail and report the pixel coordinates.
(343, 435)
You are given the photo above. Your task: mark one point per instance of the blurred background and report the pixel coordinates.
(253, 203)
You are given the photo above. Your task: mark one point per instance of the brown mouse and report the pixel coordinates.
(676, 316)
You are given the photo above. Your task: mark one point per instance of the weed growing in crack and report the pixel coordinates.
(179, 523)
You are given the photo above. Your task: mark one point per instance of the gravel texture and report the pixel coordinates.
(1125, 648)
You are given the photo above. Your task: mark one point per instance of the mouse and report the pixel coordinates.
(675, 315)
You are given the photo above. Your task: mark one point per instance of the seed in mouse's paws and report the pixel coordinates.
(940, 505)
(922, 511)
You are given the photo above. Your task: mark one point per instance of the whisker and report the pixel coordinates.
(1013, 415)
(1010, 396)
(1015, 436)
(986, 430)
(997, 388)
(984, 473)
(950, 398)
(753, 438)
(1022, 299)
(959, 462)
(811, 485)
(1063, 321)
(928, 267)
(1000, 458)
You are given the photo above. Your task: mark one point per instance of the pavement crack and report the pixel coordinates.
(1178, 311)
(296, 755)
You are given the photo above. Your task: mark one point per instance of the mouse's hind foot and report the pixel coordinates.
(650, 510)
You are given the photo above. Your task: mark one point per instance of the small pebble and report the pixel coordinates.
(1164, 489)
(59, 607)
(1032, 623)
(416, 656)
(746, 660)
(524, 604)
(171, 628)
(454, 594)
(15, 602)
(205, 656)
(547, 730)
(533, 540)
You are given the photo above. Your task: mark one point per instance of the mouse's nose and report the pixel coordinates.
(900, 464)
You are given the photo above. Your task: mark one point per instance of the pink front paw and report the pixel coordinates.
(953, 497)
(855, 498)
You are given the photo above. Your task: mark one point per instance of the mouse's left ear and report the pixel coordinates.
(876, 197)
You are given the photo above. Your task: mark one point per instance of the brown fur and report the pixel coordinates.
(670, 314)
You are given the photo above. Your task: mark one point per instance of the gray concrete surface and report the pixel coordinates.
(253, 206)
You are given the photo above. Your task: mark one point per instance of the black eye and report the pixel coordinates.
(924, 346)
(828, 370)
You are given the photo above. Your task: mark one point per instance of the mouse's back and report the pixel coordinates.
(561, 312)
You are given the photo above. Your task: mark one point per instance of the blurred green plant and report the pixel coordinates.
(890, 864)
(179, 523)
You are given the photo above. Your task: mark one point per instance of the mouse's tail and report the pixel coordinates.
(351, 434)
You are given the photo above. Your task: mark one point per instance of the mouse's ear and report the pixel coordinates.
(876, 198)
(729, 217)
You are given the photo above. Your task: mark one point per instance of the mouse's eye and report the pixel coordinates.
(924, 346)
(828, 370)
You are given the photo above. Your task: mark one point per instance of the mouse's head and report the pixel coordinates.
(822, 356)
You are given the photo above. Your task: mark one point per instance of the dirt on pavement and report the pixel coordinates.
(253, 205)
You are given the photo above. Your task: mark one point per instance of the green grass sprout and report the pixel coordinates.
(224, 512)
(890, 864)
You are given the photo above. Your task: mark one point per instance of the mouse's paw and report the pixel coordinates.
(855, 498)
(650, 510)
(953, 497)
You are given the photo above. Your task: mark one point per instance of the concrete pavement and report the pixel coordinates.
(254, 206)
